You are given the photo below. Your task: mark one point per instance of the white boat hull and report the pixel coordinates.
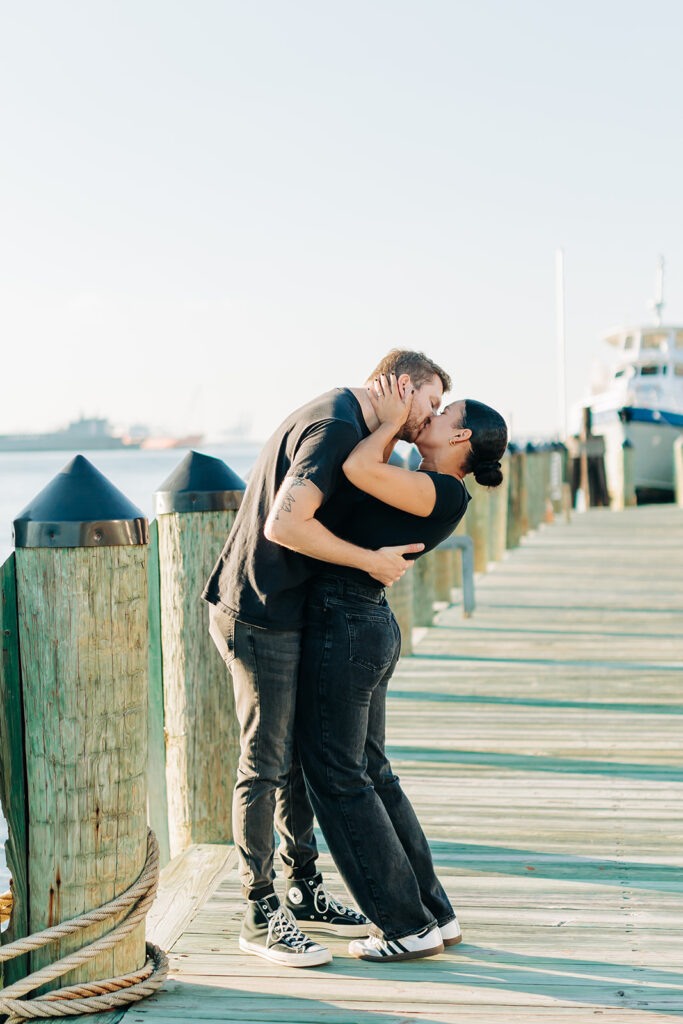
(652, 438)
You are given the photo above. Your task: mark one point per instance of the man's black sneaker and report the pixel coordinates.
(318, 911)
(270, 931)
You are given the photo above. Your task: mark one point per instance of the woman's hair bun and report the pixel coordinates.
(488, 473)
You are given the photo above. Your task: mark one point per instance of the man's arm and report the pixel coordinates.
(292, 524)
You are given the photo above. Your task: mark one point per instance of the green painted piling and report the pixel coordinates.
(196, 508)
(157, 801)
(12, 761)
(81, 583)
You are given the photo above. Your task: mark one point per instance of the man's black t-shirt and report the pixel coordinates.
(261, 582)
(372, 524)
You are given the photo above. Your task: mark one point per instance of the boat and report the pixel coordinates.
(84, 434)
(641, 401)
(162, 443)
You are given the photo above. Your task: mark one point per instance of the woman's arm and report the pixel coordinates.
(365, 466)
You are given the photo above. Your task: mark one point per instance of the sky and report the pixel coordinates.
(212, 211)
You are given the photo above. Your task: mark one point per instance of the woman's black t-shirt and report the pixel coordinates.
(372, 524)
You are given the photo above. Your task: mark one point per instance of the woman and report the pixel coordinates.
(350, 648)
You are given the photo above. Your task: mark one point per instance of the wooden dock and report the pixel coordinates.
(541, 743)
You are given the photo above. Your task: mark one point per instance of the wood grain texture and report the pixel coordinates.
(84, 660)
(443, 574)
(498, 514)
(540, 744)
(184, 887)
(157, 798)
(400, 598)
(202, 733)
(12, 768)
(477, 523)
(424, 589)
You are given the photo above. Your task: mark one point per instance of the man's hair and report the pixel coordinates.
(419, 368)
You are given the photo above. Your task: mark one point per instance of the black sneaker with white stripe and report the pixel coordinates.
(270, 931)
(318, 911)
(428, 942)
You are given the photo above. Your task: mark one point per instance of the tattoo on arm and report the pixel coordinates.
(288, 498)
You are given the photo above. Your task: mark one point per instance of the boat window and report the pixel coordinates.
(649, 371)
(628, 340)
(653, 340)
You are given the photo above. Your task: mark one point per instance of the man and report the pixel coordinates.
(285, 527)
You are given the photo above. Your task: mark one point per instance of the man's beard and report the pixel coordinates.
(410, 429)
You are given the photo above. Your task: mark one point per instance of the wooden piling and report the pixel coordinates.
(623, 494)
(195, 508)
(477, 523)
(424, 589)
(443, 574)
(12, 762)
(498, 514)
(678, 469)
(81, 583)
(400, 597)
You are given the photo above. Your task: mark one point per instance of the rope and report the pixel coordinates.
(92, 996)
(6, 904)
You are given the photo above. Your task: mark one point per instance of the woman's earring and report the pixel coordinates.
(453, 441)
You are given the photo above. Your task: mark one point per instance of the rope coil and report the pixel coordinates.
(92, 996)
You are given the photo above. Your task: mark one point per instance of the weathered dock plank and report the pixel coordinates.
(541, 743)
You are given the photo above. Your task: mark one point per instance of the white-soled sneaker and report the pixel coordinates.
(270, 931)
(317, 910)
(450, 933)
(428, 942)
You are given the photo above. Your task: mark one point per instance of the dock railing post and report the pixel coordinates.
(424, 589)
(81, 589)
(12, 768)
(400, 598)
(477, 523)
(461, 544)
(623, 494)
(513, 533)
(498, 518)
(678, 469)
(195, 508)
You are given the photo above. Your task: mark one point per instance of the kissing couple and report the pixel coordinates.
(299, 614)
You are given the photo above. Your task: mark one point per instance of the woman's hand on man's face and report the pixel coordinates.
(387, 401)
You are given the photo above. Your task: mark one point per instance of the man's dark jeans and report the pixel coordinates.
(270, 790)
(351, 644)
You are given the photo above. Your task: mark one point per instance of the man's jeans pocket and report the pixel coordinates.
(222, 632)
(372, 639)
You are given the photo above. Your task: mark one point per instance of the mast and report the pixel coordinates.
(561, 348)
(658, 304)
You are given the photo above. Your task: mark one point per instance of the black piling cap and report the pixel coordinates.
(80, 508)
(200, 483)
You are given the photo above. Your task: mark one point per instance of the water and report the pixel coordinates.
(137, 473)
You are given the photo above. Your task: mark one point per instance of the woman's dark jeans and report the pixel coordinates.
(351, 644)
